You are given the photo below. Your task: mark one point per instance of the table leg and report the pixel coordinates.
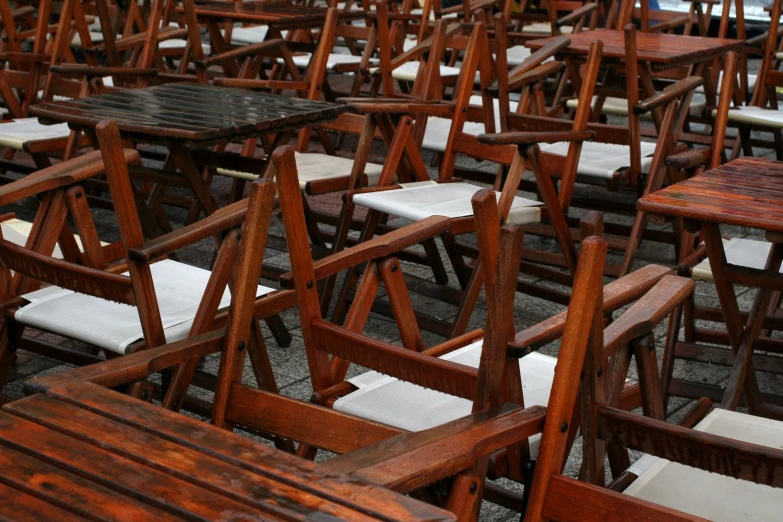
(192, 174)
(742, 337)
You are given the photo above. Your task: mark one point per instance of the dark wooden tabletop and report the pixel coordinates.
(747, 192)
(262, 12)
(190, 111)
(662, 51)
(83, 451)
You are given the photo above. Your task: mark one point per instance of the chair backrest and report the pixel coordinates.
(769, 79)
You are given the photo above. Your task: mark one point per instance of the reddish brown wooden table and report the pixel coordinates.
(746, 192)
(655, 52)
(187, 118)
(83, 451)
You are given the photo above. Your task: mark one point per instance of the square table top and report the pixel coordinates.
(262, 12)
(190, 111)
(83, 451)
(747, 192)
(662, 51)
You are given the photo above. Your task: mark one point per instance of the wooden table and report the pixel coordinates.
(746, 192)
(187, 118)
(85, 451)
(277, 16)
(655, 52)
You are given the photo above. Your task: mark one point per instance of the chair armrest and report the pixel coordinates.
(689, 159)
(530, 138)
(413, 460)
(377, 247)
(21, 11)
(135, 366)
(617, 294)
(576, 15)
(241, 52)
(540, 56)
(534, 75)
(9, 56)
(96, 71)
(670, 24)
(395, 106)
(647, 312)
(60, 175)
(669, 93)
(224, 218)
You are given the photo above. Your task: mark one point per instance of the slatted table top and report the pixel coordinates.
(662, 51)
(82, 450)
(746, 192)
(190, 111)
(262, 12)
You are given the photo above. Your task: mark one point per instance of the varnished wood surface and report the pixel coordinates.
(660, 50)
(260, 11)
(190, 111)
(747, 192)
(86, 451)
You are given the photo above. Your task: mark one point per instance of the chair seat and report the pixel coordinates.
(249, 35)
(765, 117)
(417, 201)
(180, 43)
(545, 28)
(600, 161)
(517, 54)
(742, 252)
(114, 326)
(408, 71)
(16, 133)
(436, 134)
(314, 166)
(710, 495)
(17, 231)
(619, 107)
(332, 62)
(407, 406)
(751, 82)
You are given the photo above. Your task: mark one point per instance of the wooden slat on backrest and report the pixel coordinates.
(66, 275)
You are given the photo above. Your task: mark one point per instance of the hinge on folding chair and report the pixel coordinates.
(527, 480)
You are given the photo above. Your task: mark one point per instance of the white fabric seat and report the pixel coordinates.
(710, 495)
(114, 326)
(180, 43)
(17, 231)
(408, 71)
(436, 134)
(398, 403)
(545, 28)
(314, 166)
(16, 133)
(420, 200)
(741, 252)
(757, 115)
(332, 62)
(249, 35)
(601, 160)
(619, 107)
(517, 54)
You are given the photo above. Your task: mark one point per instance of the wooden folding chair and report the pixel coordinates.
(454, 448)
(700, 478)
(170, 300)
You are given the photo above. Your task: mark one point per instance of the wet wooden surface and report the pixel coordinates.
(746, 192)
(190, 111)
(86, 451)
(662, 51)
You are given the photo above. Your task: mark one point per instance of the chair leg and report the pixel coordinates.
(279, 330)
(669, 355)
(465, 498)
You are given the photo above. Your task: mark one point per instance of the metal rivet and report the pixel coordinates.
(408, 122)
(394, 268)
(309, 284)
(241, 345)
(144, 396)
(78, 195)
(564, 427)
(473, 488)
(464, 110)
(600, 372)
